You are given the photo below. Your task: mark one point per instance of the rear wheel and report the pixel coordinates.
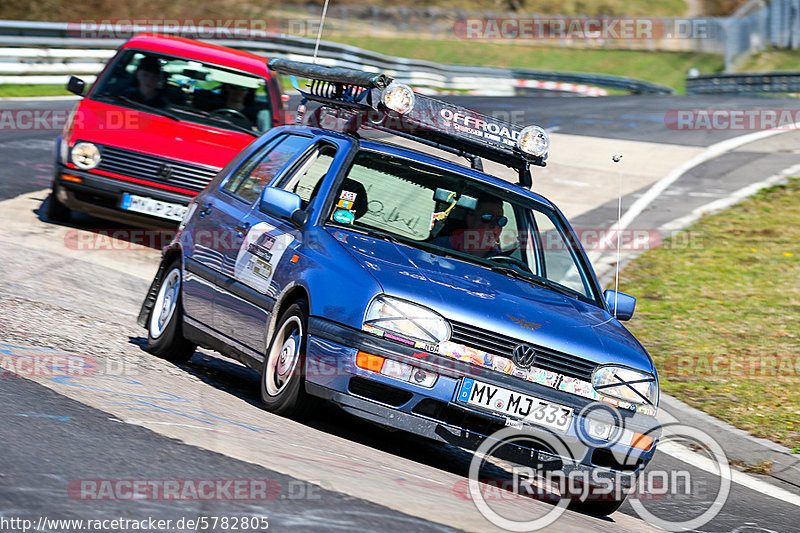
(282, 382)
(165, 326)
(56, 211)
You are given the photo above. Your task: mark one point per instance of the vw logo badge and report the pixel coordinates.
(164, 171)
(523, 356)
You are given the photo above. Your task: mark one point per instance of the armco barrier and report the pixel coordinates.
(45, 52)
(744, 83)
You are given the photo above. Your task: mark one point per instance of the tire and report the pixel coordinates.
(282, 381)
(165, 323)
(56, 211)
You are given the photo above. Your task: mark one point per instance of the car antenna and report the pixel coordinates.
(616, 159)
(319, 33)
(301, 108)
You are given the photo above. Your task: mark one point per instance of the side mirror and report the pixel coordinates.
(76, 85)
(282, 204)
(625, 304)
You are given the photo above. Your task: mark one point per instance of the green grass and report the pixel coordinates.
(666, 68)
(33, 90)
(719, 308)
(771, 60)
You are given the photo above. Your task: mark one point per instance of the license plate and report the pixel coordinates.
(514, 404)
(151, 206)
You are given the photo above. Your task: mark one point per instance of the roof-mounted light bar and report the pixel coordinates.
(403, 112)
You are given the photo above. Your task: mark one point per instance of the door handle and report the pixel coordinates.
(205, 210)
(242, 229)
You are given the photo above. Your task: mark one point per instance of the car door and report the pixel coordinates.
(269, 245)
(242, 304)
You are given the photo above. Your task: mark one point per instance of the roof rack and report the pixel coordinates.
(376, 101)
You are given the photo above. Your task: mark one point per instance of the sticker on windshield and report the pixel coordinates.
(346, 204)
(347, 195)
(344, 217)
(259, 255)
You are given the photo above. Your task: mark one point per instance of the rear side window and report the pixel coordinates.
(247, 182)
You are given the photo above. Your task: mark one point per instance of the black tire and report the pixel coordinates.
(165, 322)
(56, 211)
(282, 376)
(596, 507)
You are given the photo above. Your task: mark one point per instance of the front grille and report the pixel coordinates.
(498, 344)
(147, 167)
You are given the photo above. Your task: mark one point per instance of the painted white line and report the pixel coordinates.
(731, 199)
(705, 463)
(715, 150)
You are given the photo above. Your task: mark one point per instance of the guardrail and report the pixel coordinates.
(48, 52)
(744, 83)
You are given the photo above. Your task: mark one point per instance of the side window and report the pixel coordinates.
(559, 264)
(255, 173)
(305, 181)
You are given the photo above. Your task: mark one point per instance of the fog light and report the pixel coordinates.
(398, 97)
(397, 370)
(599, 430)
(423, 378)
(533, 140)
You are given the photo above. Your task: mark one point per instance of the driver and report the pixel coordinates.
(481, 234)
(239, 99)
(148, 88)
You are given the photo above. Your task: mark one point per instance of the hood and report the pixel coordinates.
(185, 141)
(470, 294)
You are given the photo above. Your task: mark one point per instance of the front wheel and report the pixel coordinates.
(282, 383)
(165, 326)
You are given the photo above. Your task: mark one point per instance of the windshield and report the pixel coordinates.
(184, 89)
(441, 212)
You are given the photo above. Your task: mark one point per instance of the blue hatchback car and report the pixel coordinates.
(412, 291)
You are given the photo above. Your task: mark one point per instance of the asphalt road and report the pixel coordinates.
(86, 305)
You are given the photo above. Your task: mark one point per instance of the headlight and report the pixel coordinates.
(398, 97)
(85, 155)
(409, 321)
(626, 384)
(533, 140)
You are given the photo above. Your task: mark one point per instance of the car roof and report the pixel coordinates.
(389, 148)
(205, 52)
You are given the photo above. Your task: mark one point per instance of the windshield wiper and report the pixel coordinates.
(536, 280)
(140, 105)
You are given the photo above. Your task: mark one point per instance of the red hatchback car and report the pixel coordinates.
(164, 116)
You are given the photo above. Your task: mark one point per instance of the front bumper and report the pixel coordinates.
(434, 413)
(101, 196)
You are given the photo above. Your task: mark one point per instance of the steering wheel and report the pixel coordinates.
(229, 111)
(510, 261)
